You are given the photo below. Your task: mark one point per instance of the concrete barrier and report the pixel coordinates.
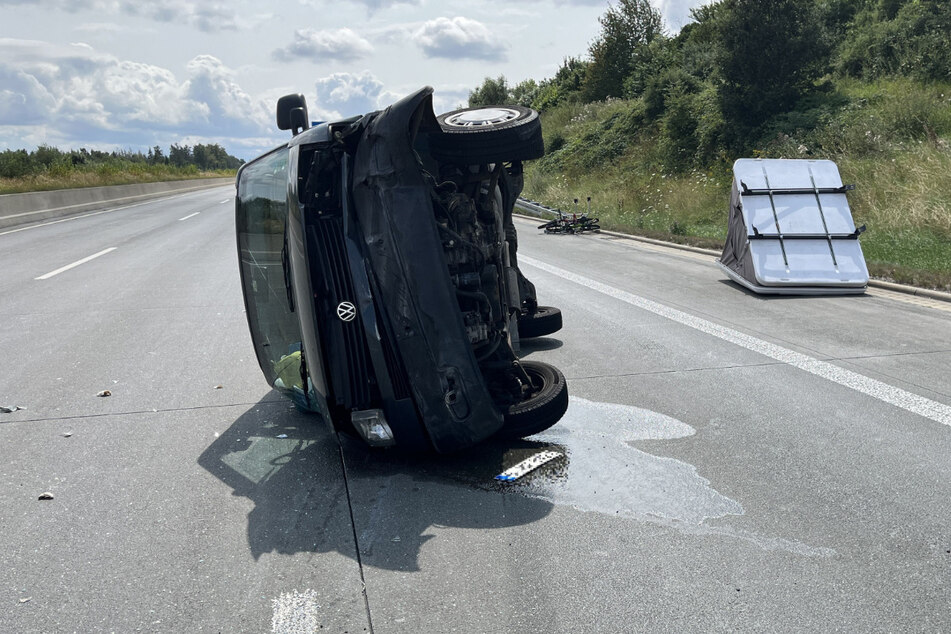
(21, 209)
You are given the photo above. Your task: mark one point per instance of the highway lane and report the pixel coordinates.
(140, 535)
(706, 486)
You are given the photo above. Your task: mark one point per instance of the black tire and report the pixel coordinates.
(488, 134)
(544, 321)
(543, 409)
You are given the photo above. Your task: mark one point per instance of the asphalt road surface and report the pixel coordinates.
(729, 461)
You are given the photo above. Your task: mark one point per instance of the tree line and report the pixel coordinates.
(47, 159)
(742, 71)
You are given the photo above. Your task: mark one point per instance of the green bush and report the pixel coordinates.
(772, 53)
(910, 41)
(555, 142)
(564, 87)
(15, 164)
(678, 130)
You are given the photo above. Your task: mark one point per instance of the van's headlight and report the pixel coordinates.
(372, 427)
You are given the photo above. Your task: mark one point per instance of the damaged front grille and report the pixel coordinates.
(393, 364)
(341, 328)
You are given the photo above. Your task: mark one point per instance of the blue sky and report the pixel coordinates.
(123, 74)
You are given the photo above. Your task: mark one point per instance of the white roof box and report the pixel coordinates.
(791, 230)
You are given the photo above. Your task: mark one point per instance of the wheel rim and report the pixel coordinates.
(481, 117)
(539, 382)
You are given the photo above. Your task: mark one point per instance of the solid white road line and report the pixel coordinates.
(189, 216)
(933, 410)
(75, 264)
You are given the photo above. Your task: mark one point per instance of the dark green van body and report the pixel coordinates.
(346, 283)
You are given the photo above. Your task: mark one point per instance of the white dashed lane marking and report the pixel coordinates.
(295, 613)
(75, 264)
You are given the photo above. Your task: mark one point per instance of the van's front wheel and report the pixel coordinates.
(488, 134)
(544, 404)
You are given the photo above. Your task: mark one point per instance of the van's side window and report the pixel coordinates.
(261, 218)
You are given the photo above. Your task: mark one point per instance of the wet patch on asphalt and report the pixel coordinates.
(603, 472)
(608, 475)
(598, 470)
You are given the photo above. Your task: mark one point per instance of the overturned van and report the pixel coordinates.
(791, 230)
(379, 269)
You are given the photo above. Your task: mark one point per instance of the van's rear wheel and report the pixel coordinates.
(543, 321)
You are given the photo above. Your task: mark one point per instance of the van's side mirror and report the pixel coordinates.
(292, 113)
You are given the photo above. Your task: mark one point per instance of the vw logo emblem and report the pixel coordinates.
(346, 311)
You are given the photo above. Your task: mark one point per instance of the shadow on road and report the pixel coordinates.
(538, 344)
(790, 297)
(290, 466)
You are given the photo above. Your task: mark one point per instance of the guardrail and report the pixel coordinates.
(535, 207)
(20, 209)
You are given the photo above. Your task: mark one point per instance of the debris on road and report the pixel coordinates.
(26, 599)
(282, 435)
(67, 434)
(219, 387)
(527, 465)
(9, 410)
(46, 495)
(104, 393)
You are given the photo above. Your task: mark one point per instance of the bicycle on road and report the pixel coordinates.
(573, 223)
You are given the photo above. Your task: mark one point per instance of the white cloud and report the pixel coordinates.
(205, 16)
(677, 12)
(450, 97)
(339, 45)
(375, 5)
(343, 95)
(137, 87)
(459, 38)
(372, 5)
(229, 110)
(582, 3)
(23, 98)
(94, 99)
(99, 27)
(67, 5)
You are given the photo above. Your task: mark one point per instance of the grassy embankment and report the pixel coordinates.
(82, 176)
(892, 139)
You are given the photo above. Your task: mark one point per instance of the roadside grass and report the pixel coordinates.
(891, 139)
(689, 209)
(67, 178)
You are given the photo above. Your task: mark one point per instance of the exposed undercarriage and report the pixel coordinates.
(399, 260)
